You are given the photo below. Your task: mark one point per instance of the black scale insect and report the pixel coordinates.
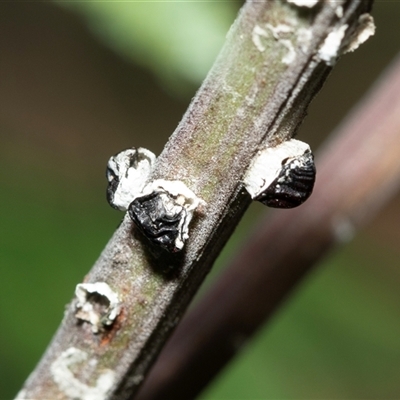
(282, 176)
(293, 186)
(156, 222)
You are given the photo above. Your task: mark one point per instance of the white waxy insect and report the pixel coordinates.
(162, 210)
(282, 176)
(163, 213)
(97, 304)
(127, 173)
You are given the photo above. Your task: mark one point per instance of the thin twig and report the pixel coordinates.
(358, 173)
(257, 92)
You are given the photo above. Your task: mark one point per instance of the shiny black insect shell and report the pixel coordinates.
(294, 184)
(160, 225)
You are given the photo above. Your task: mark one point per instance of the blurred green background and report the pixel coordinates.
(80, 81)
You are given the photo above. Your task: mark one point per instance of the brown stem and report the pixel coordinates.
(254, 94)
(358, 172)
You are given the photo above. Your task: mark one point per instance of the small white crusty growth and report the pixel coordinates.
(97, 304)
(127, 173)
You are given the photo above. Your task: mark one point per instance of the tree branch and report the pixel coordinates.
(358, 173)
(276, 57)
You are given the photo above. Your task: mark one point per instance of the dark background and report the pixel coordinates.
(82, 81)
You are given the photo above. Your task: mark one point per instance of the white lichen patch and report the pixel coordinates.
(256, 36)
(304, 3)
(331, 48)
(267, 165)
(364, 30)
(304, 36)
(181, 196)
(69, 384)
(290, 56)
(127, 173)
(97, 304)
(282, 33)
(279, 30)
(287, 34)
